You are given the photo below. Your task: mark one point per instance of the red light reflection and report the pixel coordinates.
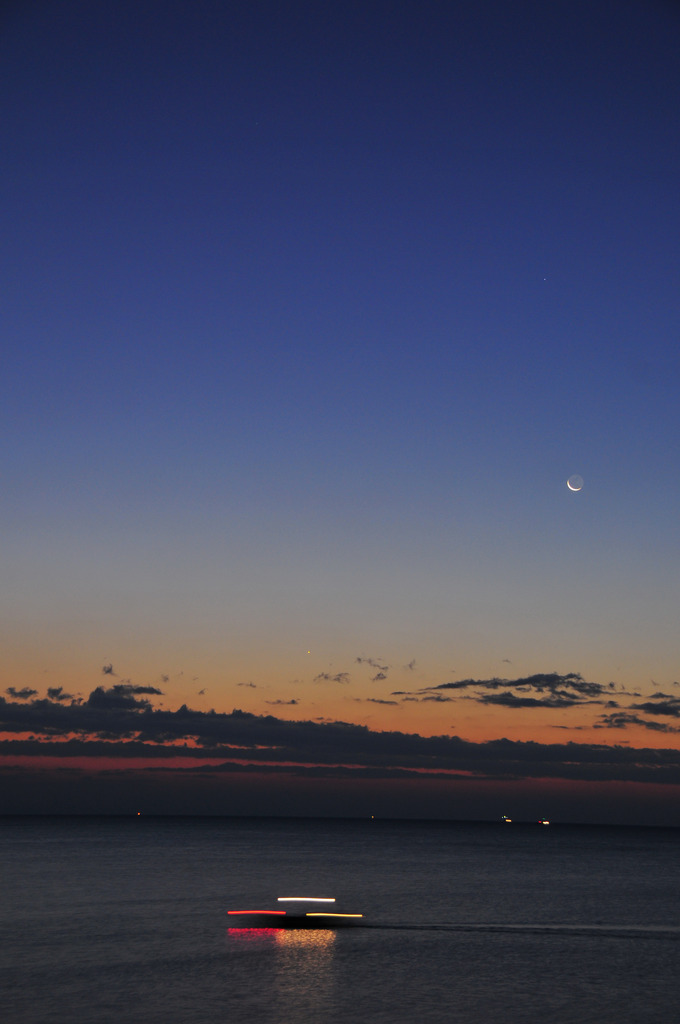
(250, 913)
(254, 935)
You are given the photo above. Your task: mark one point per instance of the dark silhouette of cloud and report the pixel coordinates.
(660, 704)
(422, 696)
(623, 719)
(121, 721)
(326, 677)
(373, 663)
(543, 690)
(463, 684)
(57, 693)
(377, 700)
(411, 665)
(378, 677)
(287, 702)
(107, 670)
(24, 694)
(509, 700)
(122, 695)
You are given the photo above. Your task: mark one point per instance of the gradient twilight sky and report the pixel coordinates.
(309, 312)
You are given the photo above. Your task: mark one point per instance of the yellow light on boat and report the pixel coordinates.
(322, 913)
(306, 899)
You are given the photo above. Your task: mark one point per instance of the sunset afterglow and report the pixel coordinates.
(339, 399)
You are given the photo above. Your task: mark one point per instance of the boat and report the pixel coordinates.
(299, 912)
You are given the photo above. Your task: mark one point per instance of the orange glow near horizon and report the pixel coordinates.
(450, 714)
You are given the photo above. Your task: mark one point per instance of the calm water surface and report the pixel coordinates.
(111, 920)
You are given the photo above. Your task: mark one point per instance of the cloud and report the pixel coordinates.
(107, 670)
(274, 702)
(661, 704)
(411, 665)
(378, 677)
(623, 719)
(251, 685)
(509, 700)
(118, 722)
(24, 694)
(326, 677)
(57, 693)
(122, 695)
(549, 689)
(463, 684)
(377, 700)
(373, 663)
(421, 696)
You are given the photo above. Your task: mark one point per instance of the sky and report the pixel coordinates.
(310, 311)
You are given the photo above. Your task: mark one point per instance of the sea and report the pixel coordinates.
(125, 921)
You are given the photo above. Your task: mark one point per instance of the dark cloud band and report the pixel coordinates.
(121, 722)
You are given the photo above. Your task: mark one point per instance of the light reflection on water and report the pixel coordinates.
(559, 924)
(320, 940)
(302, 962)
(254, 936)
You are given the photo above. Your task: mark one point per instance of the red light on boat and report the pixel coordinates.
(250, 913)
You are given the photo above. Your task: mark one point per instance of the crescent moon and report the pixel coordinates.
(575, 482)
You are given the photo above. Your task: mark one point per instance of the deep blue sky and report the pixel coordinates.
(309, 312)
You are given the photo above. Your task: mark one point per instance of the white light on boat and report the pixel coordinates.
(305, 899)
